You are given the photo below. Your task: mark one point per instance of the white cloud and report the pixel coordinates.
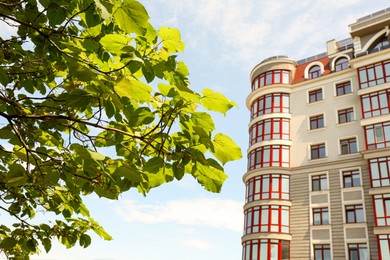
(216, 213)
(197, 244)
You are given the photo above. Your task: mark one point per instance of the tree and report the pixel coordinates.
(94, 100)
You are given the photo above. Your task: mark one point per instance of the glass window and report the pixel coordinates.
(382, 209)
(341, 64)
(271, 103)
(374, 74)
(345, 115)
(376, 103)
(343, 88)
(380, 171)
(274, 186)
(269, 156)
(270, 129)
(358, 252)
(315, 95)
(320, 216)
(351, 178)
(319, 182)
(271, 77)
(316, 122)
(377, 135)
(384, 246)
(354, 213)
(348, 146)
(317, 151)
(269, 249)
(314, 72)
(322, 252)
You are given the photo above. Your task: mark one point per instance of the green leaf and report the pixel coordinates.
(115, 42)
(203, 120)
(16, 175)
(215, 101)
(56, 14)
(8, 242)
(131, 16)
(225, 149)
(129, 173)
(46, 244)
(209, 177)
(171, 39)
(133, 89)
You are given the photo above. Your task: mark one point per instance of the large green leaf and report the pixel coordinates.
(171, 39)
(131, 16)
(133, 89)
(216, 101)
(115, 42)
(225, 149)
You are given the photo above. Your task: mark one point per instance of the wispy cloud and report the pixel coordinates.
(197, 244)
(216, 213)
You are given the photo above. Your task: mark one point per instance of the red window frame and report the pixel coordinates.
(315, 95)
(348, 146)
(319, 182)
(376, 103)
(268, 186)
(270, 78)
(323, 250)
(382, 201)
(383, 240)
(271, 103)
(314, 72)
(379, 171)
(267, 219)
(354, 213)
(374, 74)
(322, 215)
(262, 249)
(317, 122)
(343, 88)
(377, 135)
(270, 129)
(345, 115)
(341, 64)
(357, 248)
(317, 151)
(269, 156)
(351, 178)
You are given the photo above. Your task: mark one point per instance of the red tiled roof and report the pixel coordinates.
(300, 70)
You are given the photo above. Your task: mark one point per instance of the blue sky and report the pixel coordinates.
(224, 40)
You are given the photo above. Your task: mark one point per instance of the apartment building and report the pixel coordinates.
(318, 174)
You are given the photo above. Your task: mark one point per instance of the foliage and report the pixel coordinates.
(78, 116)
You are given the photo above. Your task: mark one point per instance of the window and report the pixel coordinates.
(374, 74)
(269, 156)
(320, 216)
(317, 151)
(267, 219)
(270, 129)
(271, 77)
(343, 88)
(322, 252)
(314, 72)
(377, 135)
(341, 64)
(271, 103)
(271, 249)
(316, 122)
(380, 171)
(358, 252)
(351, 178)
(354, 213)
(319, 182)
(384, 246)
(382, 209)
(381, 44)
(269, 186)
(345, 115)
(315, 95)
(348, 146)
(376, 104)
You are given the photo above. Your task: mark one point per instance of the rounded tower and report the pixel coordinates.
(267, 201)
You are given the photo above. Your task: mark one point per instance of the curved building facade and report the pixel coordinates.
(318, 173)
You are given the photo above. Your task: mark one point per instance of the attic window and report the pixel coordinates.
(314, 72)
(341, 64)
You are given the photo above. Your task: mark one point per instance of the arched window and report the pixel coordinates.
(341, 64)
(383, 43)
(314, 72)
